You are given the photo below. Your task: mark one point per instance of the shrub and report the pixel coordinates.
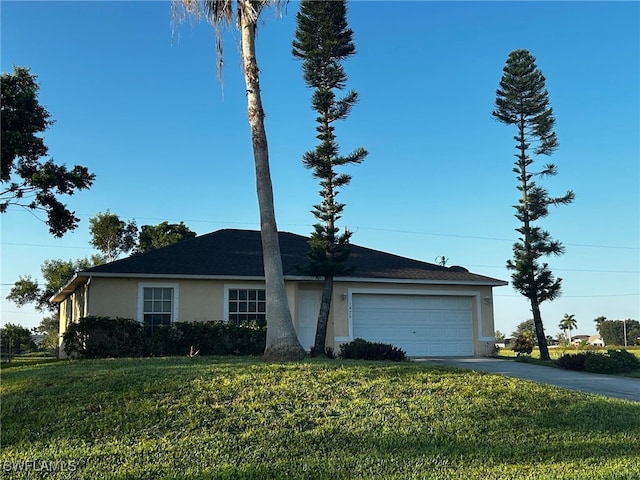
(614, 361)
(572, 362)
(360, 349)
(99, 337)
(328, 353)
(210, 338)
(95, 337)
(523, 344)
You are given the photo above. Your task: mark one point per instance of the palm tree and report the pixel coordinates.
(568, 323)
(282, 342)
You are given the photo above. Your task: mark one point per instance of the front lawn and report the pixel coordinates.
(181, 418)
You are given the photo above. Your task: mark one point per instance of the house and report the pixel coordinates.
(576, 340)
(426, 309)
(596, 341)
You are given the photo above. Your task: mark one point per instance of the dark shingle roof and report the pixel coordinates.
(238, 253)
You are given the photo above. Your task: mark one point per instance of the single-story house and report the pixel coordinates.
(576, 340)
(596, 341)
(426, 309)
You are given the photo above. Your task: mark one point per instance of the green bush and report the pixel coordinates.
(212, 338)
(614, 361)
(572, 362)
(96, 337)
(360, 349)
(99, 337)
(523, 344)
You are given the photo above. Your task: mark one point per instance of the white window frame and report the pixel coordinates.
(176, 298)
(240, 286)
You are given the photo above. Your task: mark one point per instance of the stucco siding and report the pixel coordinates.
(113, 297)
(201, 300)
(205, 300)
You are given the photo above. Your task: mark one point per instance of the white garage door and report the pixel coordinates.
(421, 325)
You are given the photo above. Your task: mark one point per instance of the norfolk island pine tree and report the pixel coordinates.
(323, 40)
(522, 100)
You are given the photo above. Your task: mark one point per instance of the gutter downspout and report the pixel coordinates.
(86, 297)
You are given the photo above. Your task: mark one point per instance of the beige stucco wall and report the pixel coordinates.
(204, 300)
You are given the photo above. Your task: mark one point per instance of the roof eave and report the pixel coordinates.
(79, 276)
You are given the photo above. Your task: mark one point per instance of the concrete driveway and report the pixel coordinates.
(608, 385)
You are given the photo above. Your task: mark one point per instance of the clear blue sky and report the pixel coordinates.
(145, 112)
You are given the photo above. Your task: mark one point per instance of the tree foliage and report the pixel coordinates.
(56, 273)
(162, 235)
(16, 339)
(282, 342)
(111, 236)
(28, 181)
(525, 328)
(569, 323)
(49, 327)
(612, 331)
(522, 100)
(323, 41)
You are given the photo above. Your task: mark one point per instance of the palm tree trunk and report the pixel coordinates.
(282, 342)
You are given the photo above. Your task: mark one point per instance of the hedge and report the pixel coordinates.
(100, 337)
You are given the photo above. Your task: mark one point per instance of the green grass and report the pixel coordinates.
(180, 418)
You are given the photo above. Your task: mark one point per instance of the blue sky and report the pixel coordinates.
(143, 109)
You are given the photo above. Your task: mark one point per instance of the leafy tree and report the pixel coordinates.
(56, 274)
(162, 235)
(282, 343)
(112, 236)
(598, 321)
(522, 100)
(525, 328)
(16, 339)
(323, 40)
(568, 322)
(612, 332)
(27, 181)
(49, 327)
(500, 337)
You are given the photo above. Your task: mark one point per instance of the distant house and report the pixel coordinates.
(578, 339)
(426, 309)
(596, 341)
(38, 339)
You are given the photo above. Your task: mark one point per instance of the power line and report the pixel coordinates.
(412, 232)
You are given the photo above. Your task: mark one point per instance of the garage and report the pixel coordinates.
(422, 325)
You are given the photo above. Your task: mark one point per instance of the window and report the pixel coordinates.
(157, 304)
(246, 305)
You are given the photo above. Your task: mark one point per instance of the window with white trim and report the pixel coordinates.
(157, 305)
(246, 305)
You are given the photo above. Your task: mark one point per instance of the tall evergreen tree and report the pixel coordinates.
(323, 40)
(522, 100)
